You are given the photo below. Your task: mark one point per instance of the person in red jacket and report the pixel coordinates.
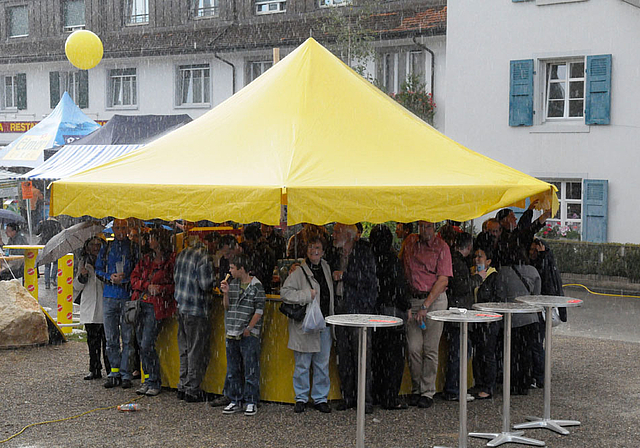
(152, 283)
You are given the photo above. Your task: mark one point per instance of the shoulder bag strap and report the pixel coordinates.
(522, 280)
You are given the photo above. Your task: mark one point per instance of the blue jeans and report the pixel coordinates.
(147, 332)
(243, 354)
(114, 325)
(320, 363)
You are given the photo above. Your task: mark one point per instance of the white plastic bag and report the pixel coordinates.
(314, 320)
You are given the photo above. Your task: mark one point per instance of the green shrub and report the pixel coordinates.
(611, 259)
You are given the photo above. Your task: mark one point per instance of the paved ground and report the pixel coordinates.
(596, 379)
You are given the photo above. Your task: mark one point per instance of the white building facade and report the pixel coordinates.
(551, 87)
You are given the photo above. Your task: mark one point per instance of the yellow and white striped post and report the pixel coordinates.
(65, 292)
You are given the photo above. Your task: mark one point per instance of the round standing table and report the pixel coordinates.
(548, 302)
(507, 436)
(463, 317)
(362, 321)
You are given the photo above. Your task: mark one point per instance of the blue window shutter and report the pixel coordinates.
(54, 89)
(21, 91)
(598, 91)
(594, 213)
(521, 93)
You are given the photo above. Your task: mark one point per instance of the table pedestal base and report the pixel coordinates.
(553, 425)
(498, 439)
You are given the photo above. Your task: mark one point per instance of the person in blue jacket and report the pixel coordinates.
(114, 265)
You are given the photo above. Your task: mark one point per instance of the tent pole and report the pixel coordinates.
(29, 218)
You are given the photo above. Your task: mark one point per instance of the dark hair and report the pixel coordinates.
(313, 239)
(241, 261)
(407, 226)
(359, 227)
(163, 239)
(463, 239)
(503, 214)
(228, 240)
(381, 239)
(13, 226)
(484, 242)
(252, 232)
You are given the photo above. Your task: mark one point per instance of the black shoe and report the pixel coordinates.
(323, 407)
(93, 376)
(519, 391)
(368, 408)
(219, 401)
(343, 406)
(299, 407)
(198, 398)
(126, 384)
(449, 397)
(180, 395)
(112, 382)
(136, 375)
(425, 402)
(414, 399)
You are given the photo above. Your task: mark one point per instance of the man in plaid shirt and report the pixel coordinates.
(194, 281)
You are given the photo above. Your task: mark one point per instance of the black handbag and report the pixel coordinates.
(295, 311)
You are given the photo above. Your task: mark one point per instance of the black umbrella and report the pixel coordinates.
(9, 216)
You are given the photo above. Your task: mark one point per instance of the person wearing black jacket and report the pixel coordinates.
(542, 258)
(389, 344)
(516, 237)
(459, 295)
(354, 274)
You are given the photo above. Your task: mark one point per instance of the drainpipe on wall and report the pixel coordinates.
(433, 64)
(233, 72)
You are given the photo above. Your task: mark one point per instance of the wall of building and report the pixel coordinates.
(481, 42)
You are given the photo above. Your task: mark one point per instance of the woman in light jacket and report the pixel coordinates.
(91, 307)
(311, 281)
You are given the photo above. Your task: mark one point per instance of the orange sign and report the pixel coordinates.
(27, 191)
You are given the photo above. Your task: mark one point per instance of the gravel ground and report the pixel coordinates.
(594, 381)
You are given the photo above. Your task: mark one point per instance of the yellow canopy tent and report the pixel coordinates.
(310, 132)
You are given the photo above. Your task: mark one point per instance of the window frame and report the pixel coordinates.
(71, 28)
(195, 8)
(563, 201)
(546, 81)
(332, 3)
(205, 89)
(130, 6)
(111, 76)
(282, 7)
(14, 91)
(250, 63)
(8, 12)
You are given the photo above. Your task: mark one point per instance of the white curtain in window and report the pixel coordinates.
(73, 13)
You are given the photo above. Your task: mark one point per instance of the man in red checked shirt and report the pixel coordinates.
(427, 265)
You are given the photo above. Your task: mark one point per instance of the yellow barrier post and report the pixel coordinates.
(30, 271)
(65, 292)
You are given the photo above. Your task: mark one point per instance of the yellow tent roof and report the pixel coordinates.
(314, 133)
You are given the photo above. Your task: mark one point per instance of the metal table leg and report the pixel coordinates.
(546, 421)
(506, 436)
(362, 378)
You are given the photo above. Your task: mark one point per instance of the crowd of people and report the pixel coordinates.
(343, 273)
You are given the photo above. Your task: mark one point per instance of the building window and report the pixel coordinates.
(75, 83)
(565, 90)
(270, 6)
(73, 15)
(257, 68)
(324, 3)
(123, 87)
(390, 72)
(205, 8)
(194, 84)
(136, 12)
(417, 65)
(18, 21)
(14, 91)
(569, 215)
(396, 67)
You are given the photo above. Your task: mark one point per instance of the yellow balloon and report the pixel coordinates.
(83, 49)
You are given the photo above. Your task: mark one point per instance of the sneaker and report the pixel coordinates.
(153, 392)
(323, 407)
(142, 389)
(126, 384)
(232, 408)
(251, 409)
(112, 382)
(220, 401)
(451, 397)
(299, 407)
(425, 402)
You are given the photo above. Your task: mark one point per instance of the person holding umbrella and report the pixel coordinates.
(87, 284)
